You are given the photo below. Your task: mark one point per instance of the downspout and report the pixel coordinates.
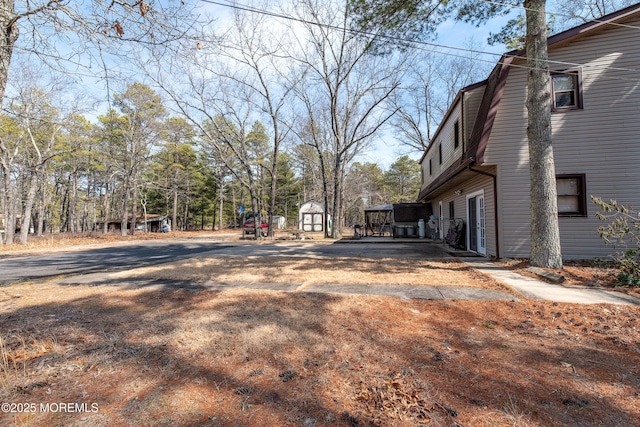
(463, 135)
(495, 204)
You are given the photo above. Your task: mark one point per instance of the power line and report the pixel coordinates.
(245, 8)
(510, 6)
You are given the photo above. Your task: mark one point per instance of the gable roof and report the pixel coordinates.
(495, 84)
(555, 41)
(482, 126)
(588, 28)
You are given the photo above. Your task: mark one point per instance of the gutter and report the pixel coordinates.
(495, 204)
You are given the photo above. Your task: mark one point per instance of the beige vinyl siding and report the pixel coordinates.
(600, 141)
(482, 182)
(426, 178)
(472, 100)
(475, 182)
(445, 137)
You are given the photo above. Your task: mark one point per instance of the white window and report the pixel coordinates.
(566, 93)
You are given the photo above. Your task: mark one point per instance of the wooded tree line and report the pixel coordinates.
(265, 117)
(68, 174)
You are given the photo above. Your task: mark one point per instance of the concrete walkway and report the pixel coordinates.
(527, 286)
(400, 291)
(538, 289)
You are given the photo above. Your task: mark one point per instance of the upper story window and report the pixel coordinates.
(440, 153)
(456, 134)
(566, 90)
(430, 167)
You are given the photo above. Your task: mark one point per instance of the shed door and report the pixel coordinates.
(312, 222)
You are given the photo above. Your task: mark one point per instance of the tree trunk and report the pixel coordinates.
(545, 233)
(221, 199)
(234, 206)
(28, 206)
(64, 209)
(325, 192)
(257, 218)
(134, 207)
(106, 207)
(174, 213)
(9, 208)
(40, 205)
(337, 190)
(185, 221)
(9, 36)
(144, 214)
(125, 211)
(274, 178)
(73, 203)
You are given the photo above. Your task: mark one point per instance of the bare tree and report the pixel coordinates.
(257, 55)
(223, 113)
(30, 139)
(576, 12)
(80, 34)
(12, 138)
(315, 133)
(431, 84)
(354, 84)
(417, 106)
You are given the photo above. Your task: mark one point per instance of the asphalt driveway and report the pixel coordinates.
(126, 256)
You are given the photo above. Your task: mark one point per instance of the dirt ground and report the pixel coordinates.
(106, 356)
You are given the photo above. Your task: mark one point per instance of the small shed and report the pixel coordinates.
(311, 217)
(278, 222)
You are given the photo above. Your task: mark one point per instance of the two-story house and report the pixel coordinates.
(476, 167)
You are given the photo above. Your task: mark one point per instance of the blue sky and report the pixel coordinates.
(386, 150)
(454, 34)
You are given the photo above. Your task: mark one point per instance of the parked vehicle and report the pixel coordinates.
(248, 225)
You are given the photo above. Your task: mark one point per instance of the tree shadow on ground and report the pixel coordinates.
(147, 356)
(254, 358)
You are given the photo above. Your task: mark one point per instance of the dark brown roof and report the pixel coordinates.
(488, 109)
(449, 173)
(588, 27)
(482, 127)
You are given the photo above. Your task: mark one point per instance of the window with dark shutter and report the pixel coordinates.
(572, 199)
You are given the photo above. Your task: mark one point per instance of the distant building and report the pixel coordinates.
(155, 223)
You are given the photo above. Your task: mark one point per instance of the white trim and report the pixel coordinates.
(440, 228)
(466, 204)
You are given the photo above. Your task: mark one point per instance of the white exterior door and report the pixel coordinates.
(477, 237)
